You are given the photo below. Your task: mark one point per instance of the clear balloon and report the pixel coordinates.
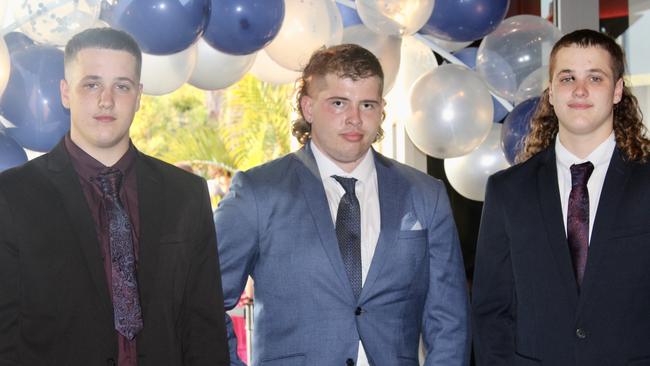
(452, 112)
(450, 46)
(11, 153)
(5, 65)
(533, 85)
(32, 100)
(516, 127)
(385, 48)
(164, 74)
(241, 27)
(54, 21)
(465, 20)
(307, 26)
(161, 27)
(394, 17)
(230, 68)
(267, 70)
(519, 46)
(469, 173)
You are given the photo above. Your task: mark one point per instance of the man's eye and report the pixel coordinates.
(123, 87)
(566, 79)
(596, 79)
(337, 103)
(91, 85)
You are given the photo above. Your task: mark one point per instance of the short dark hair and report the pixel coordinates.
(345, 61)
(103, 38)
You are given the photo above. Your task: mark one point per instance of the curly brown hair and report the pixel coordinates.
(629, 130)
(346, 61)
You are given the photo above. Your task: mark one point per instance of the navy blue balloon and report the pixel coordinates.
(161, 27)
(465, 20)
(11, 153)
(241, 27)
(350, 16)
(516, 127)
(32, 101)
(17, 41)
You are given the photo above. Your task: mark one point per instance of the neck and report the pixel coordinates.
(107, 156)
(582, 145)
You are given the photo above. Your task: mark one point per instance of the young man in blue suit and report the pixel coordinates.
(354, 255)
(562, 272)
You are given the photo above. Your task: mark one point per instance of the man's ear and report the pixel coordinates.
(618, 90)
(64, 88)
(307, 105)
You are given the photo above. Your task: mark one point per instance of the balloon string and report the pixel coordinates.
(24, 20)
(440, 51)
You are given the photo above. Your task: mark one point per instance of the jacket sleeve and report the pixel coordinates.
(203, 329)
(493, 299)
(237, 226)
(445, 330)
(9, 290)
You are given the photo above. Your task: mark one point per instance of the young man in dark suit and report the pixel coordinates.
(107, 256)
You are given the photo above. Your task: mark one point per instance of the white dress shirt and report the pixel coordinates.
(600, 157)
(368, 195)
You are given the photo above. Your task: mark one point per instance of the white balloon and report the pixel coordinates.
(307, 26)
(269, 71)
(533, 85)
(468, 174)
(450, 46)
(394, 17)
(385, 48)
(452, 111)
(5, 65)
(55, 21)
(165, 73)
(217, 70)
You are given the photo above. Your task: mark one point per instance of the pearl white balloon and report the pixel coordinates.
(217, 70)
(269, 71)
(165, 73)
(469, 173)
(450, 46)
(394, 17)
(307, 26)
(55, 21)
(452, 112)
(5, 65)
(385, 48)
(533, 85)
(519, 46)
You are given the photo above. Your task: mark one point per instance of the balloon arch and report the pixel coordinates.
(449, 111)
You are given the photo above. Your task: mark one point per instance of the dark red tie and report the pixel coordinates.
(126, 302)
(578, 217)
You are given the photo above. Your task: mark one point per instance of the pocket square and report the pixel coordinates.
(410, 222)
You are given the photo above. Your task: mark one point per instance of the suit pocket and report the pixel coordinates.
(521, 360)
(412, 234)
(631, 232)
(640, 362)
(288, 360)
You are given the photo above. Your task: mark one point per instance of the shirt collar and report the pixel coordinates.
(328, 168)
(600, 156)
(88, 167)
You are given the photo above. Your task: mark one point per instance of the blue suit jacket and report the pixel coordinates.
(275, 225)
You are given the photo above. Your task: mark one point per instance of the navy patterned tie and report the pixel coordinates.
(348, 233)
(126, 302)
(578, 217)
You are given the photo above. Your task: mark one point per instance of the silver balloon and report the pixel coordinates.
(452, 112)
(519, 46)
(468, 174)
(267, 70)
(394, 17)
(450, 46)
(162, 74)
(385, 48)
(217, 70)
(533, 85)
(55, 21)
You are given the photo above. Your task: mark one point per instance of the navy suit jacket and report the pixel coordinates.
(275, 225)
(527, 308)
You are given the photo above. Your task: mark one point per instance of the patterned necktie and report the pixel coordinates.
(578, 217)
(126, 302)
(348, 233)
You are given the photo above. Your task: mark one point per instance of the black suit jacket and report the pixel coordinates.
(527, 308)
(55, 307)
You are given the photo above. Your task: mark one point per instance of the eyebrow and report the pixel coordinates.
(348, 99)
(97, 77)
(569, 71)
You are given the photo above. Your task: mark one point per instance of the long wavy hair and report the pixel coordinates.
(345, 61)
(629, 130)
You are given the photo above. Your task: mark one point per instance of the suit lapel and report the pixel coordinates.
(549, 200)
(66, 181)
(312, 188)
(392, 192)
(151, 206)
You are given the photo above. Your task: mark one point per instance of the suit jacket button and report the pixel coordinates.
(349, 362)
(110, 362)
(358, 311)
(581, 333)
